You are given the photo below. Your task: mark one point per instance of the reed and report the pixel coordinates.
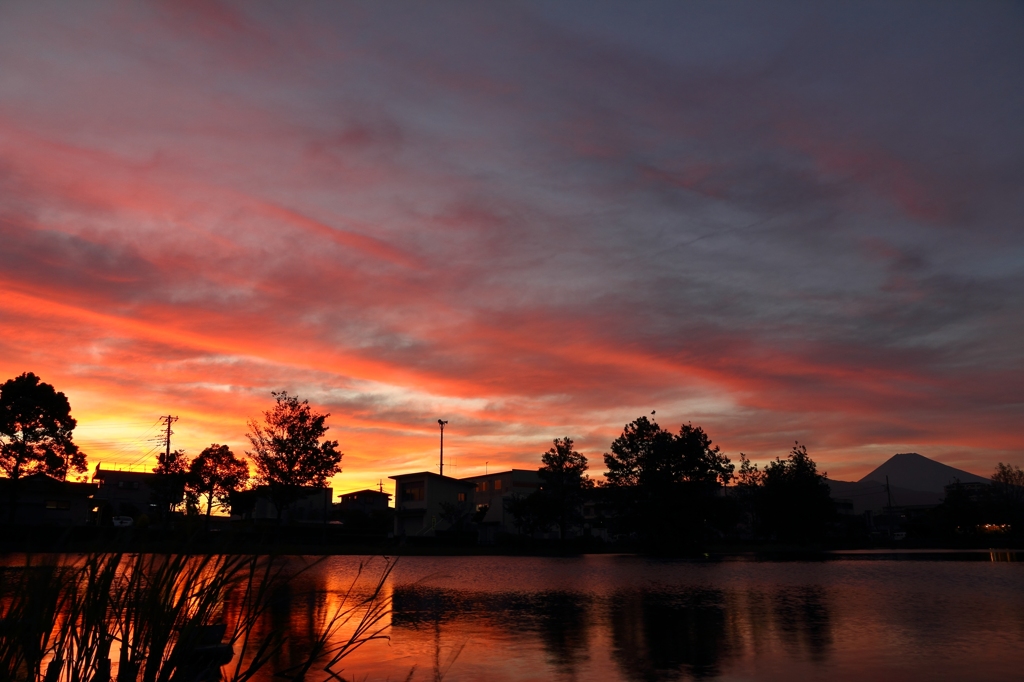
(174, 618)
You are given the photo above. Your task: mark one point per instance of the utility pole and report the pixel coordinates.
(168, 420)
(441, 423)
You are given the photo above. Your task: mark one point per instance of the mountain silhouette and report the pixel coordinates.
(912, 471)
(913, 480)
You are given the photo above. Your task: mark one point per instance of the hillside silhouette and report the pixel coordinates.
(916, 472)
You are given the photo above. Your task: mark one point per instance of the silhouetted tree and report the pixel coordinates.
(526, 512)
(169, 485)
(665, 484)
(1008, 498)
(964, 508)
(215, 474)
(793, 500)
(36, 433)
(634, 457)
(1008, 482)
(455, 514)
(173, 463)
(288, 451)
(749, 480)
(564, 483)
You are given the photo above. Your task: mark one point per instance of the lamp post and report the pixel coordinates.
(441, 423)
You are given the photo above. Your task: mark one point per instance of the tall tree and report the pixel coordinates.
(36, 433)
(665, 484)
(289, 450)
(215, 474)
(564, 482)
(794, 501)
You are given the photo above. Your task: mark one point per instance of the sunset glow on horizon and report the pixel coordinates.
(534, 220)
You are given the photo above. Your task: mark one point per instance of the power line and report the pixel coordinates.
(119, 447)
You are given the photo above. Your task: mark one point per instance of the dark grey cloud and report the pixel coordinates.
(814, 208)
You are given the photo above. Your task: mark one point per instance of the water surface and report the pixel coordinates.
(606, 617)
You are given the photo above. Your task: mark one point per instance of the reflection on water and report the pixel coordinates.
(560, 620)
(655, 634)
(627, 618)
(658, 634)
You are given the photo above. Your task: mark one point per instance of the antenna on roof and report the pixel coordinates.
(380, 485)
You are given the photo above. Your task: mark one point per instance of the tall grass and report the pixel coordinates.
(172, 618)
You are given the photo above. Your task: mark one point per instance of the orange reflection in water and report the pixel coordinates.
(626, 618)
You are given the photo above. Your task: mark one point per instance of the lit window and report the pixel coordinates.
(462, 497)
(497, 484)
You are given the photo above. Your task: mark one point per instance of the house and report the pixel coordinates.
(45, 501)
(367, 501)
(490, 492)
(134, 493)
(424, 502)
(365, 512)
(311, 505)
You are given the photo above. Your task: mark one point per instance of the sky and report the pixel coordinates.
(780, 222)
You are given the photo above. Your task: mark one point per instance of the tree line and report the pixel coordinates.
(290, 451)
(668, 490)
(660, 488)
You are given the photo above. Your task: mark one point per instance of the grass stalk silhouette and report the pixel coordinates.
(174, 618)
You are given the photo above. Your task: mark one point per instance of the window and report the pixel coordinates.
(462, 497)
(128, 485)
(483, 486)
(497, 484)
(414, 491)
(58, 504)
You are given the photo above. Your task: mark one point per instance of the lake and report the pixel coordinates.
(608, 617)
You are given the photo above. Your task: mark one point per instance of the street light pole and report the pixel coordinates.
(441, 423)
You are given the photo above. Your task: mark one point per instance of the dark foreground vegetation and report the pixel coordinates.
(171, 618)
